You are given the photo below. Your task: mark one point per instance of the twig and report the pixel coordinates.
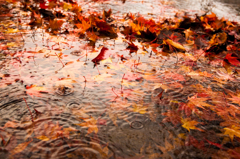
(29, 109)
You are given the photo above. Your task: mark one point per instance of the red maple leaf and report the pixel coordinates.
(101, 56)
(232, 60)
(132, 76)
(43, 5)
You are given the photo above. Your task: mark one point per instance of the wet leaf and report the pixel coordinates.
(233, 60)
(55, 25)
(175, 45)
(43, 138)
(101, 56)
(35, 91)
(232, 131)
(20, 147)
(188, 124)
(91, 124)
(139, 109)
(132, 47)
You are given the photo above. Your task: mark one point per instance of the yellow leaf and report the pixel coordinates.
(67, 6)
(12, 44)
(174, 44)
(139, 109)
(43, 138)
(91, 123)
(10, 30)
(190, 124)
(233, 131)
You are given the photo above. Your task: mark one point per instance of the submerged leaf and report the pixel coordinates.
(188, 124)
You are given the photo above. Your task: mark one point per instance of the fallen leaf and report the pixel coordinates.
(91, 123)
(188, 124)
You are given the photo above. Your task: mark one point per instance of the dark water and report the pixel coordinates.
(130, 125)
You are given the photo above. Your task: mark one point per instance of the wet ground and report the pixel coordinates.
(108, 111)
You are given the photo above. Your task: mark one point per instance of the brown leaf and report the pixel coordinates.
(20, 147)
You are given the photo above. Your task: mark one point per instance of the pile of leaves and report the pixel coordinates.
(205, 75)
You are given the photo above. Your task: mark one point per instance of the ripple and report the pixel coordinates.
(136, 125)
(64, 90)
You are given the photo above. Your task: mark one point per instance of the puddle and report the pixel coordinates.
(131, 105)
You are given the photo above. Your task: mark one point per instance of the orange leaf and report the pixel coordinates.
(20, 147)
(91, 123)
(190, 124)
(232, 131)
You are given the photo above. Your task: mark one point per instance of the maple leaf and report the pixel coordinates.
(67, 6)
(132, 47)
(176, 45)
(84, 25)
(20, 147)
(81, 113)
(235, 99)
(165, 149)
(101, 56)
(232, 131)
(172, 116)
(11, 124)
(107, 14)
(174, 76)
(132, 76)
(218, 39)
(233, 60)
(76, 8)
(36, 91)
(199, 102)
(139, 108)
(104, 151)
(43, 5)
(121, 104)
(91, 123)
(185, 108)
(188, 124)
(43, 138)
(188, 33)
(191, 141)
(55, 25)
(103, 26)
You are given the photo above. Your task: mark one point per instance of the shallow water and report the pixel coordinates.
(108, 111)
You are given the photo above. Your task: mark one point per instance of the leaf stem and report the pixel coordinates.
(29, 109)
(59, 59)
(115, 92)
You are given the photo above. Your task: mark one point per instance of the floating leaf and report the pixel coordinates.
(20, 147)
(233, 60)
(91, 123)
(188, 124)
(174, 44)
(232, 131)
(101, 56)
